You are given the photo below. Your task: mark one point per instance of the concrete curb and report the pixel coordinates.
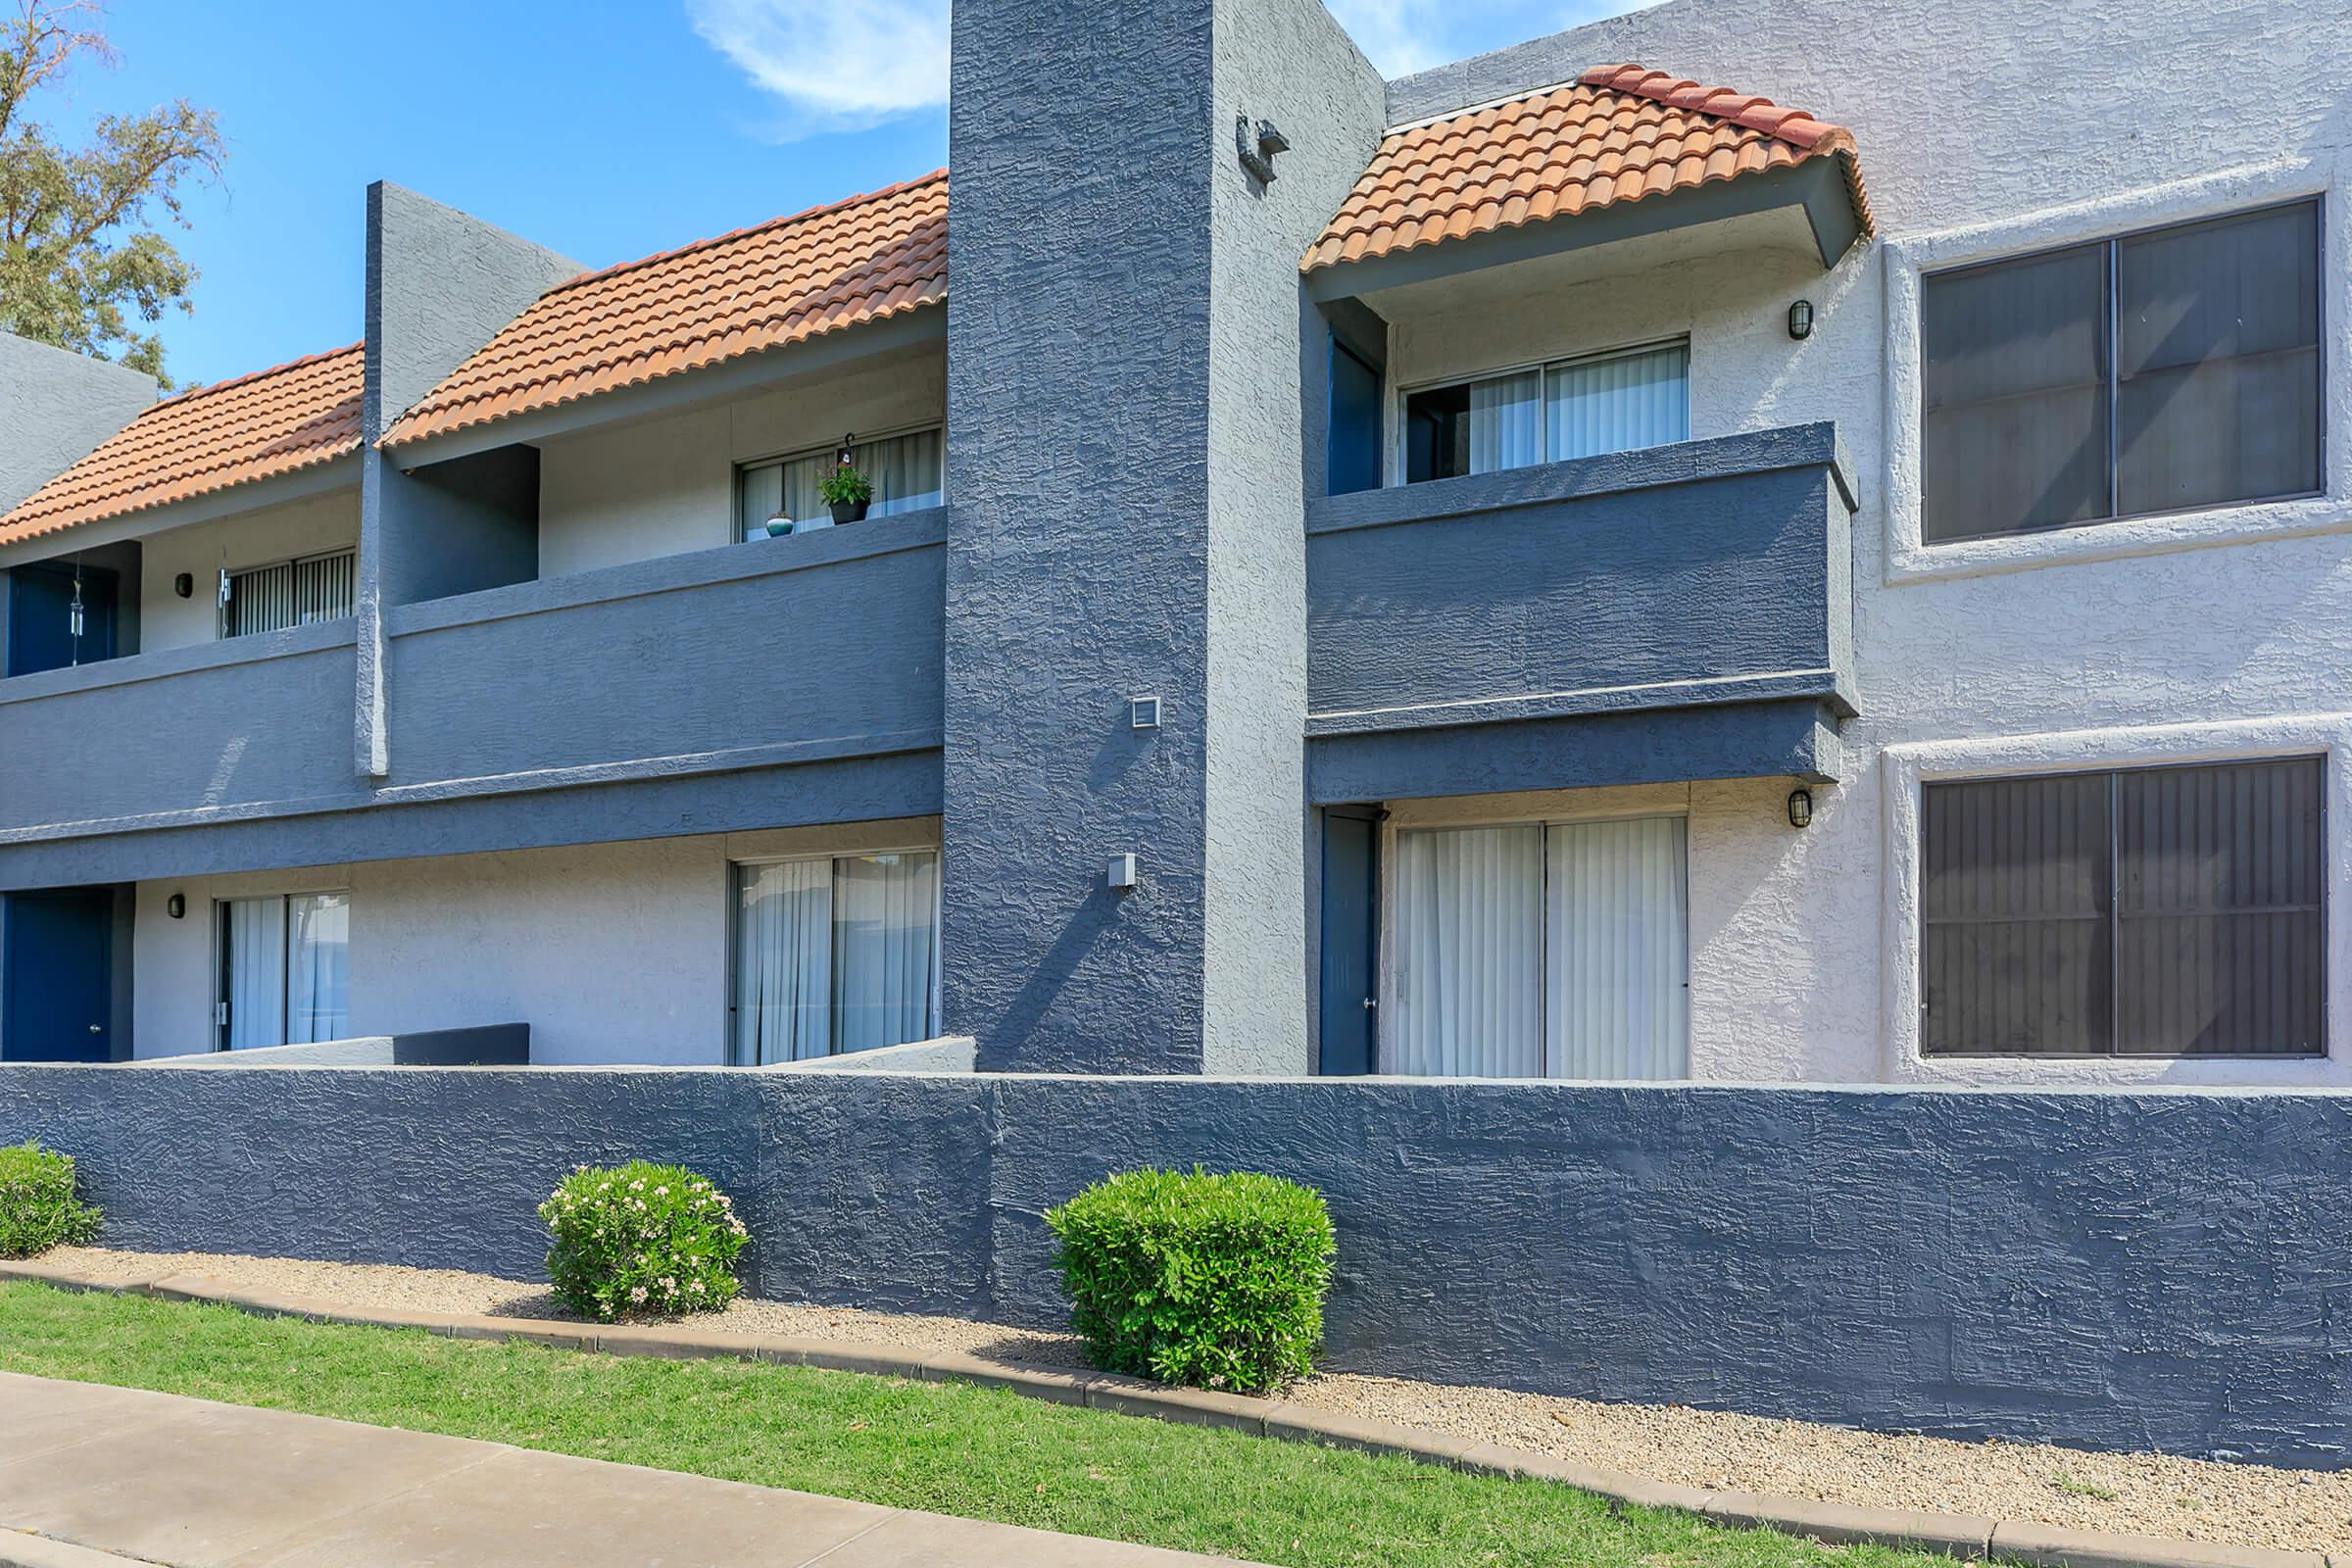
(20, 1550)
(1967, 1537)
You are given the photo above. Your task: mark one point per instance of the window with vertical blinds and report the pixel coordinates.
(2153, 372)
(1544, 950)
(1568, 409)
(291, 593)
(2169, 911)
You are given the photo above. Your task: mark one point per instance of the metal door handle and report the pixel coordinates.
(97, 1028)
(1370, 1002)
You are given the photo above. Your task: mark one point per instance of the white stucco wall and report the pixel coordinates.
(611, 953)
(260, 538)
(2183, 638)
(664, 486)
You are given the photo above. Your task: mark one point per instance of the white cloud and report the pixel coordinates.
(1399, 36)
(838, 65)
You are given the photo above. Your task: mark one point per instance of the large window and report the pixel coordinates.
(2173, 912)
(905, 471)
(291, 593)
(2155, 372)
(1557, 951)
(834, 953)
(285, 970)
(1568, 409)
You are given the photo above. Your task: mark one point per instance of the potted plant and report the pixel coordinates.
(848, 493)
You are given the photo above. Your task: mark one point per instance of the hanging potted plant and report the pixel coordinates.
(848, 493)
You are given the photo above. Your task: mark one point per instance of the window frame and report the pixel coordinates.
(2114, 772)
(736, 865)
(220, 1024)
(743, 465)
(1399, 456)
(1391, 830)
(2112, 243)
(221, 631)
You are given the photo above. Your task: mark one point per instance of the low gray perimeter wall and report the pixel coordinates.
(2168, 1271)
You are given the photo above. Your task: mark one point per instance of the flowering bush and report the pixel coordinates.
(655, 1239)
(37, 1206)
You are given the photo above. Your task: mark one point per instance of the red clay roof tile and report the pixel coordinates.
(1618, 135)
(783, 281)
(258, 426)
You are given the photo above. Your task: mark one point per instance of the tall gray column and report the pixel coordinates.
(1126, 344)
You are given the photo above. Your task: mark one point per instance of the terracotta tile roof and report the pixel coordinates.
(778, 283)
(1617, 134)
(257, 426)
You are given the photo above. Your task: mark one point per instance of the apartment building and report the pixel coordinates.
(1744, 542)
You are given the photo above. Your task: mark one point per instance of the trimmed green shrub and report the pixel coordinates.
(641, 1241)
(1212, 1280)
(37, 1206)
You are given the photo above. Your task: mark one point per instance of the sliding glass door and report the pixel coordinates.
(835, 954)
(1557, 951)
(285, 970)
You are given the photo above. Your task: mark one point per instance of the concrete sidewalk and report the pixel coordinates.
(188, 1483)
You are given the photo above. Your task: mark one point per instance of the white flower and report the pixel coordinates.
(660, 1192)
(638, 1293)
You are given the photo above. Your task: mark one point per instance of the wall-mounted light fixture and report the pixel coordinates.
(1257, 144)
(1801, 807)
(176, 905)
(1800, 320)
(184, 585)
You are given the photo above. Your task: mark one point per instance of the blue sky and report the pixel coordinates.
(603, 128)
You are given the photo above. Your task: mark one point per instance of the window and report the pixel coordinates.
(905, 471)
(2157, 371)
(1351, 461)
(834, 953)
(292, 593)
(2172, 912)
(285, 970)
(1532, 952)
(1569, 409)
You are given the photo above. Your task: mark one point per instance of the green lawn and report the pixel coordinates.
(951, 1449)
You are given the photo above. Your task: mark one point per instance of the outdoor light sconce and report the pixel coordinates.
(1800, 320)
(176, 905)
(1257, 147)
(184, 585)
(1801, 807)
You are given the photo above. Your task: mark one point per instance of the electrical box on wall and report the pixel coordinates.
(1121, 874)
(1143, 712)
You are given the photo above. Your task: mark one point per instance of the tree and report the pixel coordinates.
(82, 246)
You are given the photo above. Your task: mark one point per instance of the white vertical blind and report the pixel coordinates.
(1468, 961)
(291, 593)
(1617, 948)
(253, 970)
(318, 967)
(1506, 426)
(783, 981)
(1617, 403)
(884, 947)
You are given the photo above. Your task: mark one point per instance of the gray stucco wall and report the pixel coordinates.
(55, 406)
(2128, 1270)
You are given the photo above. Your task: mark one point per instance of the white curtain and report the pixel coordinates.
(253, 970)
(318, 967)
(1617, 403)
(1617, 957)
(1468, 953)
(885, 949)
(783, 982)
(904, 470)
(1506, 422)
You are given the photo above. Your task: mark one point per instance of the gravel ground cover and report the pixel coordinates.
(2149, 1495)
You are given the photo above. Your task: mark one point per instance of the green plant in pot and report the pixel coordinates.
(848, 493)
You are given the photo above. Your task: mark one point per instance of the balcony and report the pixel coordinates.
(1673, 614)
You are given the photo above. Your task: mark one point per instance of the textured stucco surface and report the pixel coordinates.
(2105, 1269)
(55, 406)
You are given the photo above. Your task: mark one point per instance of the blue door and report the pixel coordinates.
(1350, 986)
(59, 617)
(1353, 459)
(57, 986)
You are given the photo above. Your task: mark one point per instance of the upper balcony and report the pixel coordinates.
(1675, 612)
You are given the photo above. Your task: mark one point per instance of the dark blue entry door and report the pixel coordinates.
(59, 617)
(57, 979)
(1350, 986)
